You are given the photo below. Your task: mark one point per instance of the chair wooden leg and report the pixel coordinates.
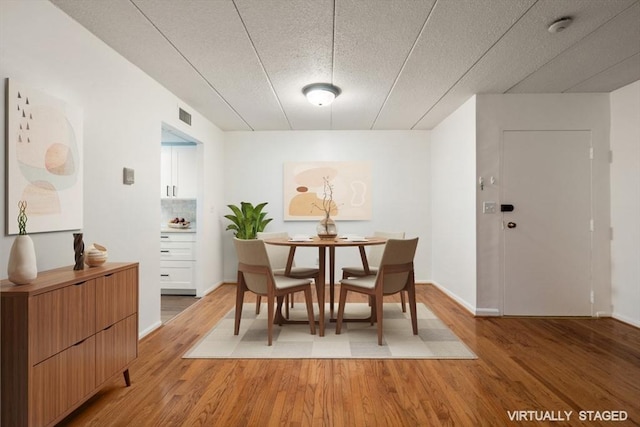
(403, 302)
(413, 310)
(258, 304)
(309, 300)
(341, 303)
(279, 302)
(378, 302)
(372, 316)
(270, 313)
(286, 304)
(239, 301)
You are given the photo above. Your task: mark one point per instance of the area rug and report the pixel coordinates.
(358, 340)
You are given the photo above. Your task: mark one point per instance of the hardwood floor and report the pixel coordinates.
(172, 305)
(524, 364)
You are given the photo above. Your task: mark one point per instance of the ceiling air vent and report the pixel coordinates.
(184, 116)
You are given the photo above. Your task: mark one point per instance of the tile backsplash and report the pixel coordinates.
(181, 208)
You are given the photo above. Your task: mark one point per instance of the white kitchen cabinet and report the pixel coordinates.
(179, 165)
(177, 261)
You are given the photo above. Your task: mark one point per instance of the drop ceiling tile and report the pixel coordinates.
(372, 42)
(457, 34)
(121, 25)
(526, 47)
(242, 64)
(294, 41)
(213, 39)
(616, 40)
(615, 77)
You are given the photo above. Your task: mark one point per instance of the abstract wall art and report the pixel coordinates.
(44, 160)
(304, 186)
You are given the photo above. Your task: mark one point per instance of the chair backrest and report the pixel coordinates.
(375, 253)
(397, 252)
(278, 255)
(253, 253)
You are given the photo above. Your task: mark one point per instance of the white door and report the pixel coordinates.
(547, 237)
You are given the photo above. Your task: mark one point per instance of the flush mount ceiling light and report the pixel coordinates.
(560, 24)
(321, 94)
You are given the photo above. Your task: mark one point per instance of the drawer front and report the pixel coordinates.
(177, 237)
(116, 297)
(116, 347)
(176, 274)
(177, 251)
(61, 318)
(62, 381)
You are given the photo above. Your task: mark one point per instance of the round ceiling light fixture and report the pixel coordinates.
(560, 24)
(321, 94)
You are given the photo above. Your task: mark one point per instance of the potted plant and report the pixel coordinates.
(247, 220)
(327, 228)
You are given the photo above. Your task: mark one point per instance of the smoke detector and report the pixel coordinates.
(560, 24)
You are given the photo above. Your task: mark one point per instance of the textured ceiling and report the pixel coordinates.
(401, 64)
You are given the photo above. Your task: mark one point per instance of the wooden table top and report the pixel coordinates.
(318, 242)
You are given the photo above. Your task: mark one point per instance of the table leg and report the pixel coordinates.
(320, 287)
(332, 278)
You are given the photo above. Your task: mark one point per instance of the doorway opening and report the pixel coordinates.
(179, 189)
(172, 305)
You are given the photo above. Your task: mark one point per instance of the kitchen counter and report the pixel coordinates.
(167, 229)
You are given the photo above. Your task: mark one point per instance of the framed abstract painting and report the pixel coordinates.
(305, 186)
(44, 160)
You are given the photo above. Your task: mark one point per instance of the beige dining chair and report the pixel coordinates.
(255, 275)
(373, 259)
(395, 274)
(278, 256)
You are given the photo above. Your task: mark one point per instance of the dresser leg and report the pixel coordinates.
(127, 380)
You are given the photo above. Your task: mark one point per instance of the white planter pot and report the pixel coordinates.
(22, 268)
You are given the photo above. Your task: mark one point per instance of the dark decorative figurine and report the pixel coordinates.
(78, 247)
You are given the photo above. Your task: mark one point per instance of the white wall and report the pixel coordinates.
(625, 203)
(42, 47)
(497, 113)
(453, 202)
(400, 179)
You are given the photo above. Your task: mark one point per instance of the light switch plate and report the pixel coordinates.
(489, 207)
(128, 176)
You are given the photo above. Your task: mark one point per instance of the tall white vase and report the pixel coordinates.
(22, 268)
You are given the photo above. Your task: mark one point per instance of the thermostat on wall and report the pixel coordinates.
(128, 176)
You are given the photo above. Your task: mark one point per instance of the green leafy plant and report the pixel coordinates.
(247, 220)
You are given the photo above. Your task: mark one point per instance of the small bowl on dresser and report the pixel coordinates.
(95, 255)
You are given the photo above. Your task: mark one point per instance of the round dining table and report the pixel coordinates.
(323, 245)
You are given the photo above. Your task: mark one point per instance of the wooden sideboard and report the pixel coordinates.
(63, 337)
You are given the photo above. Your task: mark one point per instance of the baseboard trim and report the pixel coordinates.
(455, 297)
(150, 329)
(626, 319)
(488, 312)
(211, 289)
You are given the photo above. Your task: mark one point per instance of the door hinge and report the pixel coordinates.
(591, 153)
(591, 226)
(592, 298)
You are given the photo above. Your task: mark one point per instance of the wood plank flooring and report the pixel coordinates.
(524, 364)
(172, 305)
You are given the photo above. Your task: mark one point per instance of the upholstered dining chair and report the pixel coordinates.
(278, 256)
(255, 275)
(373, 259)
(395, 274)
